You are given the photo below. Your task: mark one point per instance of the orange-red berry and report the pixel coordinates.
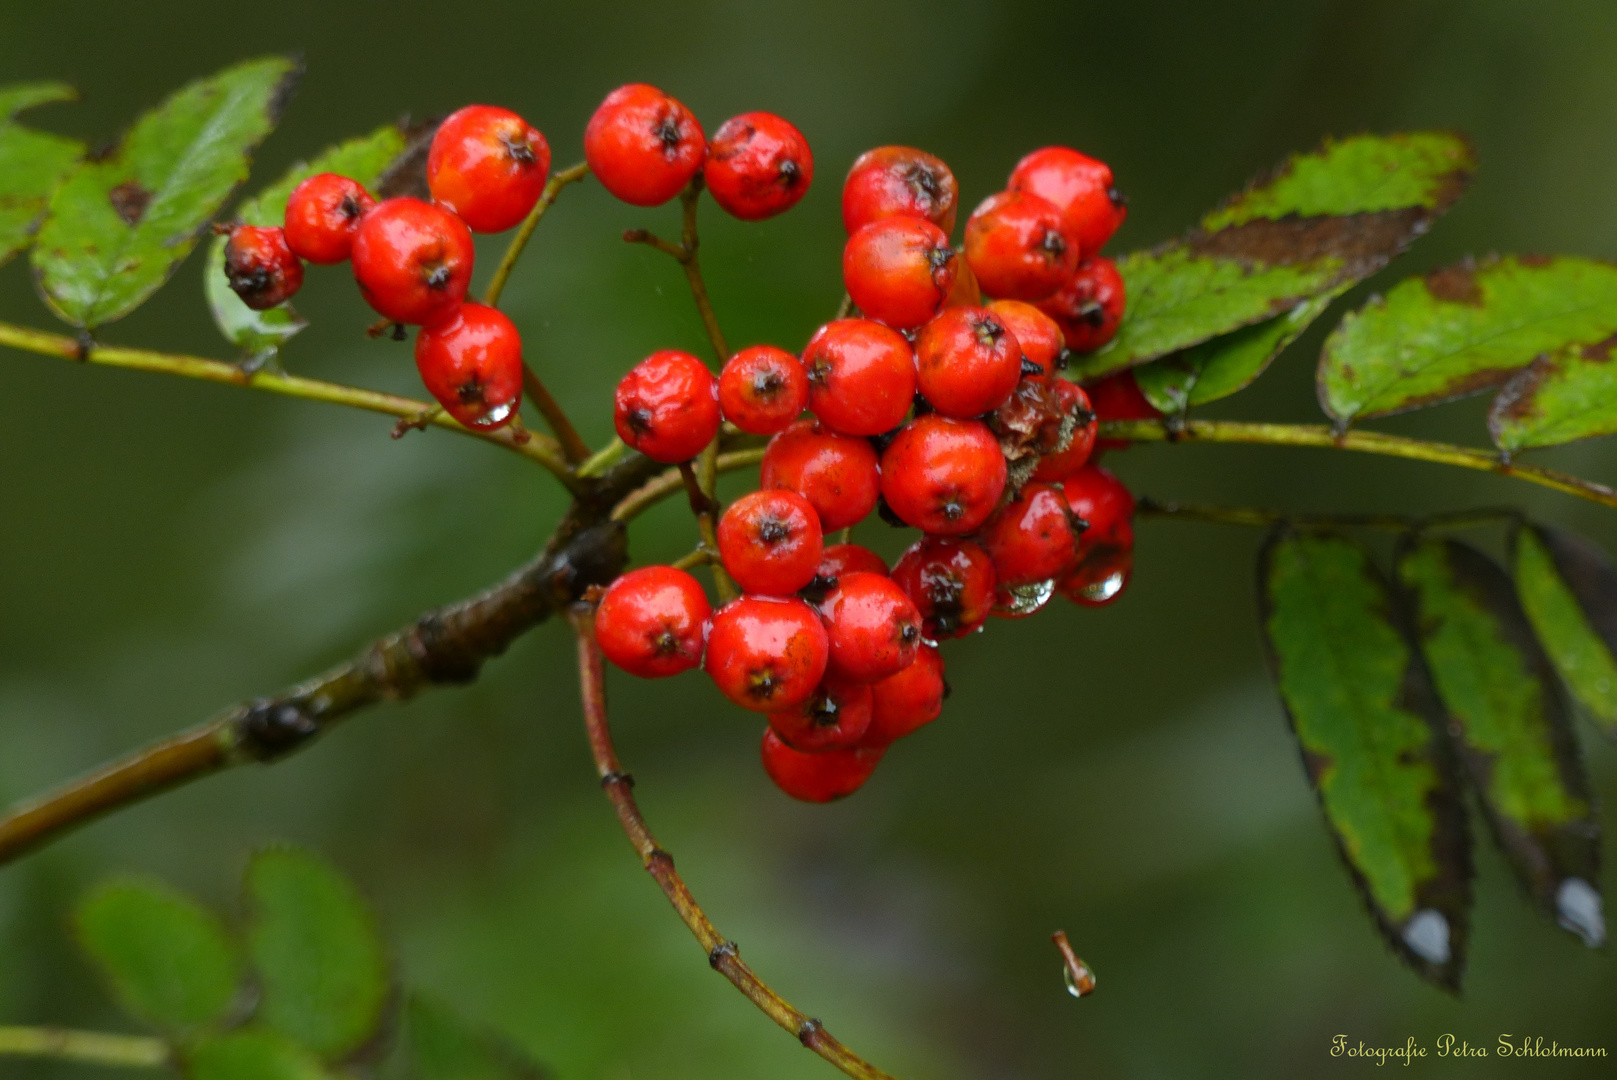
(322, 217)
(770, 542)
(899, 270)
(907, 701)
(1080, 186)
(1037, 334)
(967, 362)
(1102, 502)
(413, 260)
(667, 407)
(861, 376)
(643, 145)
(874, 627)
(650, 622)
(488, 165)
(1017, 247)
(952, 583)
(1074, 403)
(942, 475)
(837, 474)
(835, 718)
(766, 654)
(818, 778)
(758, 165)
(471, 363)
(1089, 307)
(898, 181)
(261, 267)
(1032, 537)
(762, 389)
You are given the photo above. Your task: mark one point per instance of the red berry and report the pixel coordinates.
(1102, 572)
(951, 582)
(967, 362)
(818, 778)
(943, 476)
(1101, 500)
(642, 145)
(489, 166)
(1080, 187)
(322, 217)
(965, 292)
(898, 181)
(840, 559)
(1075, 403)
(1016, 247)
(770, 542)
(1021, 601)
(861, 376)
(899, 270)
(1031, 538)
(1118, 397)
(650, 622)
(762, 389)
(472, 364)
(766, 654)
(902, 703)
(835, 718)
(667, 407)
(837, 474)
(758, 165)
(1037, 333)
(413, 260)
(874, 627)
(1089, 307)
(261, 267)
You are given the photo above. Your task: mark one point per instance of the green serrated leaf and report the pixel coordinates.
(120, 225)
(250, 1054)
(1369, 728)
(1229, 363)
(1567, 394)
(1569, 592)
(32, 163)
(321, 963)
(260, 333)
(1511, 727)
(1461, 330)
(1322, 222)
(166, 957)
(444, 1046)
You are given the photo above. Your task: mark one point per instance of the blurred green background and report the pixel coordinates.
(167, 548)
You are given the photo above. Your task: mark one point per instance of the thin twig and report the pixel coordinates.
(722, 954)
(1263, 518)
(700, 557)
(573, 446)
(1080, 977)
(89, 1047)
(705, 508)
(540, 448)
(1367, 442)
(669, 481)
(685, 253)
(513, 250)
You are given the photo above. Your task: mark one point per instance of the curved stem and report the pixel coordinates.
(1368, 442)
(573, 445)
(659, 488)
(705, 508)
(538, 447)
(684, 253)
(722, 954)
(90, 1047)
(513, 250)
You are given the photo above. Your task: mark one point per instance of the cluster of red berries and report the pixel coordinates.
(940, 408)
(486, 169)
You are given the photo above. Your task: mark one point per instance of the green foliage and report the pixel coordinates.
(322, 966)
(1566, 394)
(443, 1046)
(1461, 330)
(32, 163)
(166, 958)
(259, 333)
(251, 1054)
(1364, 717)
(120, 224)
(1508, 718)
(1569, 593)
(1318, 224)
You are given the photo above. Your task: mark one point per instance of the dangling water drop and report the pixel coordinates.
(1104, 589)
(1080, 984)
(1019, 601)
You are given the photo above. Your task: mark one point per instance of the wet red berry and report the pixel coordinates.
(1074, 403)
(1101, 500)
(943, 476)
(1089, 307)
(952, 583)
(965, 292)
(758, 165)
(488, 165)
(861, 376)
(907, 701)
(322, 217)
(762, 389)
(667, 407)
(899, 270)
(835, 718)
(874, 627)
(1016, 247)
(1118, 397)
(1037, 334)
(839, 559)
(1080, 187)
(643, 146)
(766, 654)
(471, 363)
(413, 260)
(1102, 572)
(261, 268)
(650, 622)
(898, 181)
(818, 778)
(837, 474)
(770, 542)
(967, 362)
(1031, 538)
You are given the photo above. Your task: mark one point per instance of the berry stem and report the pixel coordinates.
(684, 253)
(1368, 442)
(664, 485)
(88, 1047)
(722, 954)
(706, 509)
(513, 250)
(573, 446)
(540, 448)
(1263, 519)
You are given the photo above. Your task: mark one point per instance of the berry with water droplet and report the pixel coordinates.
(472, 364)
(952, 583)
(1031, 538)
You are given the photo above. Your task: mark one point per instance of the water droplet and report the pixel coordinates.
(1578, 908)
(1104, 589)
(1021, 600)
(1427, 935)
(496, 414)
(1080, 983)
